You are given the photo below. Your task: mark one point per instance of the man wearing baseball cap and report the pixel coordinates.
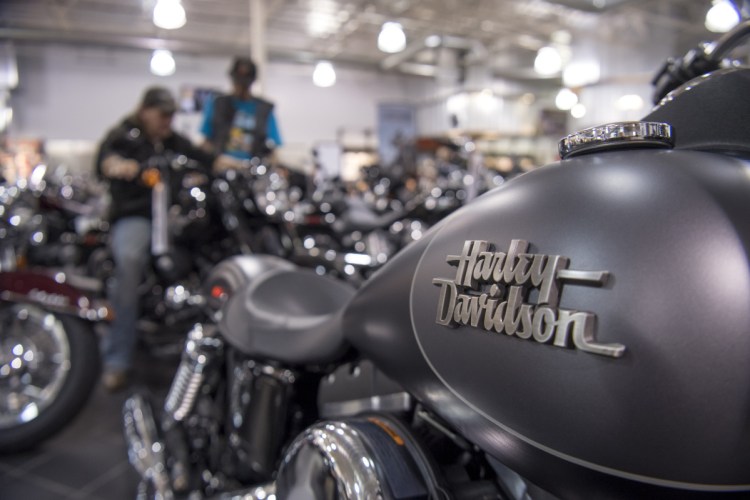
(144, 134)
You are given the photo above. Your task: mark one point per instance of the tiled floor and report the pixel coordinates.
(88, 459)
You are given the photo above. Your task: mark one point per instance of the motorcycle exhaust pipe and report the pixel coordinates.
(145, 450)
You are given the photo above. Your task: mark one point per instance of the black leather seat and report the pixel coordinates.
(360, 217)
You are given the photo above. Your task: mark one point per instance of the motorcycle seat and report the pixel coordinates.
(288, 314)
(359, 217)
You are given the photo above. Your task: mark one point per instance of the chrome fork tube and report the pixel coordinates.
(201, 349)
(159, 219)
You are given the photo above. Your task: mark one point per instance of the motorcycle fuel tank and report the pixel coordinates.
(587, 323)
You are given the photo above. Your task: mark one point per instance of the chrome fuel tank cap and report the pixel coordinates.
(617, 135)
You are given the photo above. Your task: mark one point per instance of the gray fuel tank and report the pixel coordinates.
(588, 324)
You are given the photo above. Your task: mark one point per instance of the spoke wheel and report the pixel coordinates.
(49, 364)
(34, 363)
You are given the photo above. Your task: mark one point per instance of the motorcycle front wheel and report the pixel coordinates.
(49, 364)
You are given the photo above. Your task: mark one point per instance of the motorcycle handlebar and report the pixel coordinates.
(703, 59)
(729, 41)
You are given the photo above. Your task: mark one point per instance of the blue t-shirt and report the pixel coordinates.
(241, 133)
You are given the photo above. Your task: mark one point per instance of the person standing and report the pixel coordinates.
(145, 134)
(240, 124)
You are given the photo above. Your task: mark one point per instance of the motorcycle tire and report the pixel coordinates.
(58, 352)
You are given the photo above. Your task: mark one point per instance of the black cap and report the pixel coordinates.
(159, 97)
(243, 66)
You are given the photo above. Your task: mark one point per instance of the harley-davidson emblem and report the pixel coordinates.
(517, 293)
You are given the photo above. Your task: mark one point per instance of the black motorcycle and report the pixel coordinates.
(579, 332)
(194, 226)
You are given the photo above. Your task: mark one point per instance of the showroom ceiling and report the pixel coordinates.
(502, 33)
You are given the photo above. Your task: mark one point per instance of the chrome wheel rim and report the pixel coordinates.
(34, 363)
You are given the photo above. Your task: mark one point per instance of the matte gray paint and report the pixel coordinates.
(672, 229)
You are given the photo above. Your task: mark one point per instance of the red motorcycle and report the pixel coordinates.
(49, 356)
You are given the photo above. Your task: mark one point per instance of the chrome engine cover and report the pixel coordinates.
(359, 458)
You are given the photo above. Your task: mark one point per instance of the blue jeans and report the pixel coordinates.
(131, 249)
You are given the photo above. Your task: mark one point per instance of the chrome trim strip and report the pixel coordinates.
(617, 134)
(401, 401)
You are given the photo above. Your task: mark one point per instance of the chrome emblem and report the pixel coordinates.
(517, 293)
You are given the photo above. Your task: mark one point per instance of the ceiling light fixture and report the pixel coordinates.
(487, 101)
(324, 74)
(722, 17)
(392, 38)
(548, 61)
(457, 103)
(566, 99)
(629, 102)
(169, 14)
(162, 63)
(580, 73)
(433, 41)
(578, 111)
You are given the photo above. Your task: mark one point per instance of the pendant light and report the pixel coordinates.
(169, 14)
(722, 17)
(324, 74)
(392, 38)
(162, 63)
(548, 61)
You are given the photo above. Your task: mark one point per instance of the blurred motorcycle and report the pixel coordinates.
(49, 355)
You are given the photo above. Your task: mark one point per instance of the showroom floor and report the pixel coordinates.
(87, 460)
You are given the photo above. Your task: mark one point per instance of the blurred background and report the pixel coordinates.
(354, 81)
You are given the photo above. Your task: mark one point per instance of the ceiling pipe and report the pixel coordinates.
(258, 49)
(411, 50)
(115, 40)
(418, 69)
(476, 51)
(183, 46)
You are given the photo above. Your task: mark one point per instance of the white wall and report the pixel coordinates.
(76, 93)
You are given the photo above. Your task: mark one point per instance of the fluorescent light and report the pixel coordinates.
(169, 14)
(162, 63)
(391, 38)
(566, 99)
(722, 17)
(324, 74)
(487, 101)
(548, 61)
(457, 103)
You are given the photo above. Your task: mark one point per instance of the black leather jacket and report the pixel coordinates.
(132, 198)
